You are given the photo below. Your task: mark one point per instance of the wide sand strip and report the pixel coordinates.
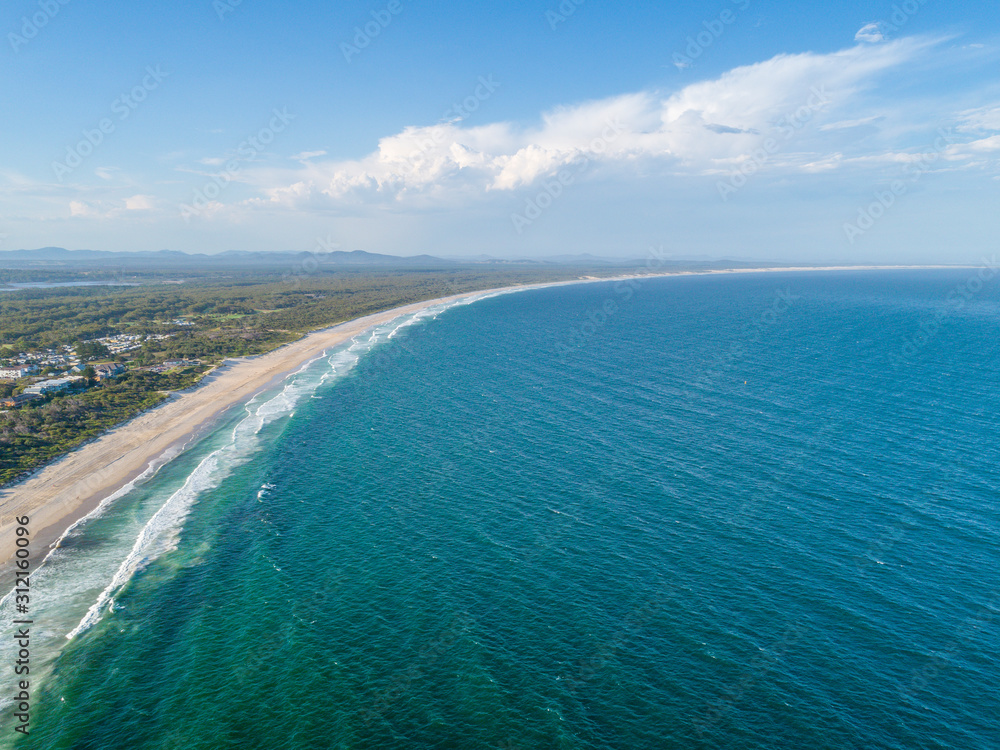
(63, 492)
(66, 490)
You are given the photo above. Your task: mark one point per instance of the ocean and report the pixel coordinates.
(728, 511)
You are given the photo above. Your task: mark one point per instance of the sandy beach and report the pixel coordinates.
(68, 489)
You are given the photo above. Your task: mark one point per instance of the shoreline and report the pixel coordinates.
(62, 493)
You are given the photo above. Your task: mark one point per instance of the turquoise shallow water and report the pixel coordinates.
(754, 511)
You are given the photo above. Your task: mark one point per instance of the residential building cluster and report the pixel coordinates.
(121, 343)
(61, 357)
(71, 369)
(125, 342)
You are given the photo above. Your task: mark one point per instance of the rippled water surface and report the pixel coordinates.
(753, 511)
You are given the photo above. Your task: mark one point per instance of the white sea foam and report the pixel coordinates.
(162, 531)
(78, 580)
(88, 562)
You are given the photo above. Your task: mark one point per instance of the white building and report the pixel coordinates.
(49, 386)
(19, 371)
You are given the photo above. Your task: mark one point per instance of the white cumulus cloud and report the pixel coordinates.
(703, 128)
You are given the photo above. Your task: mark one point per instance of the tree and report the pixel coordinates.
(91, 350)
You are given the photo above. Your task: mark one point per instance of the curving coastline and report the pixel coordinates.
(63, 492)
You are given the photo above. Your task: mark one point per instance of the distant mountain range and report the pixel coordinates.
(58, 258)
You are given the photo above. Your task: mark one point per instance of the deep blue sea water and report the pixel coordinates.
(733, 511)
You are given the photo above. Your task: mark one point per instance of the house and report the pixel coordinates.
(20, 371)
(10, 401)
(51, 386)
(108, 371)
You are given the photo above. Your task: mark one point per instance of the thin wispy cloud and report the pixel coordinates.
(845, 124)
(307, 155)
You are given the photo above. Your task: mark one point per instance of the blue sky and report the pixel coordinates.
(752, 129)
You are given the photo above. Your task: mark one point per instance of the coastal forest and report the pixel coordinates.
(193, 315)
